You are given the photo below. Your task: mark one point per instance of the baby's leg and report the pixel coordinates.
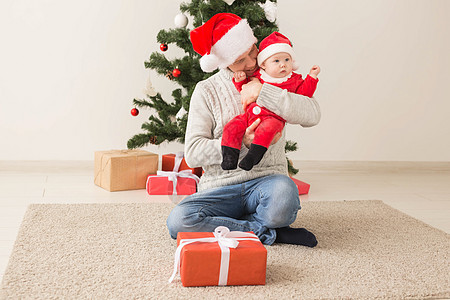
(264, 135)
(267, 130)
(233, 133)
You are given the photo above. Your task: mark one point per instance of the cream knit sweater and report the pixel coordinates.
(216, 101)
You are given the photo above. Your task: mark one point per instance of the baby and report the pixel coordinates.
(276, 61)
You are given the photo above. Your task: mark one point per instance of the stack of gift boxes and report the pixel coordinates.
(175, 177)
(202, 258)
(120, 170)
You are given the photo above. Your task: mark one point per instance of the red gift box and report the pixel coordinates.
(303, 187)
(204, 263)
(168, 164)
(161, 185)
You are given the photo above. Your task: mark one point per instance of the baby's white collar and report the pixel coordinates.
(267, 78)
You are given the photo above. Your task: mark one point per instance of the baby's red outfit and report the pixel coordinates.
(271, 123)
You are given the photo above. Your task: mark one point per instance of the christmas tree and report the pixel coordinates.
(169, 122)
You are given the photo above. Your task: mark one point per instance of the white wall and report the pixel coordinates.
(70, 69)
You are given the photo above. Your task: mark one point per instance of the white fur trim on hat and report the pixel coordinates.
(233, 44)
(277, 48)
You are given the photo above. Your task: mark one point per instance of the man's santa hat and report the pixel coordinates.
(275, 43)
(221, 40)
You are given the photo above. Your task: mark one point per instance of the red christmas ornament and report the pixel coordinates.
(164, 47)
(134, 112)
(176, 72)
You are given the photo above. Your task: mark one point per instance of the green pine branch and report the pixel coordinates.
(141, 103)
(290, 146)
(139, 140)
(291, 169)
(159, 63)
(179, 37)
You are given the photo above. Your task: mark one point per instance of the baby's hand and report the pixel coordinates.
(239, 76)
(315, 70)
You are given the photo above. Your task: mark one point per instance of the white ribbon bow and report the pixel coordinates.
(173, 175)
(178, 159)
(226, 239)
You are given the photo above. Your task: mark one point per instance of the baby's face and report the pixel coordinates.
(278, 65)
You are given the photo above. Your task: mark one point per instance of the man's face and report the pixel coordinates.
(278, 65)
(246, 62)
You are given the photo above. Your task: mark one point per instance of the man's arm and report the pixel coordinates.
(201, 148)
(294, 108)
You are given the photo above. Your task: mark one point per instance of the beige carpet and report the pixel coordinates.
(123, 251)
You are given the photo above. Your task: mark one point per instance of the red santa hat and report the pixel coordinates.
(221, 40)
(275, 43)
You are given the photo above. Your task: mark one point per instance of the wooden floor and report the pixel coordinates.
(421, 190)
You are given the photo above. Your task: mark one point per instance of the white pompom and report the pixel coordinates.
(181, 20)
(209, 63)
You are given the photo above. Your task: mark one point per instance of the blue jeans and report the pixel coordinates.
(258, 205)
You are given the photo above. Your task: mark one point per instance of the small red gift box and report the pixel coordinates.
(168, 164)
(161, 185)
(209, 263)
(303, 187)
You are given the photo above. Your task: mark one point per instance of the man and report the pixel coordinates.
(264, 200)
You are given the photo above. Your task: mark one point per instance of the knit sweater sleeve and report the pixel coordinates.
(201, 148)
(294, 108)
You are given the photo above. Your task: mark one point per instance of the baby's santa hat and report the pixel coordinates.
(276, 43)
(221, 40)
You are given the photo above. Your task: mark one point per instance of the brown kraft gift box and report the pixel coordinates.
(120, 170)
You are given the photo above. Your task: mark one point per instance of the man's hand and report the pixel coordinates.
(239, 76)
(315, 70)
(250, 134)
(250, 92)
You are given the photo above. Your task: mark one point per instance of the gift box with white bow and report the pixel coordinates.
(222, 257)
(169, 162)
(173, 182)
